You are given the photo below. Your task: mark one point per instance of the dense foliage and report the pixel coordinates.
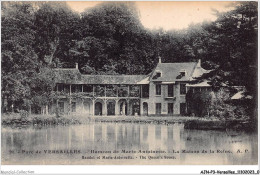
(109, 38)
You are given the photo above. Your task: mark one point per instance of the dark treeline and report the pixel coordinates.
(109, 38)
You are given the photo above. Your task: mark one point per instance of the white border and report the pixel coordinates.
(128, 169)
(124, 169)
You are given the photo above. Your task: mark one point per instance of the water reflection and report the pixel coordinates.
(111, 136)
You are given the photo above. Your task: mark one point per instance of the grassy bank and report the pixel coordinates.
(239, 125)
(15, 120)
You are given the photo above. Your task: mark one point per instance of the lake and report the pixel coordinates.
(120, 143)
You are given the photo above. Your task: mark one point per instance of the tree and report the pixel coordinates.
(19, 61)
(56, 27)
(232, 46)
(24, 77)
(112, 37)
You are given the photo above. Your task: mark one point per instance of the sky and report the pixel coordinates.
(167, 14)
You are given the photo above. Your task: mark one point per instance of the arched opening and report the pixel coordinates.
(110, 107)
(145, 108)
(122, 107)
(134, 105)
(98, 108)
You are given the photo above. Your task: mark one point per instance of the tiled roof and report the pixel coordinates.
(112, 79)
(73, 76)
(171, 71)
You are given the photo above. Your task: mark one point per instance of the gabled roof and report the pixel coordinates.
(199, 71)
(171, 71)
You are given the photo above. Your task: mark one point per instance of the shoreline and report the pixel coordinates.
(195, 123)
(81, 119)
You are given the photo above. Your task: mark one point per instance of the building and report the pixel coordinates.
(162, 92)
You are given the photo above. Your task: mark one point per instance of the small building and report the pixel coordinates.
(162, 92)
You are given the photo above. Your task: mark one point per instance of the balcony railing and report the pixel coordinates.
(133, 91)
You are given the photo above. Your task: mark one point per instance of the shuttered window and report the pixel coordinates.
(158, 89)
(158, 108)
(182, 89)
(170, 90)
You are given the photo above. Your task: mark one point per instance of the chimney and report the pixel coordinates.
(160, 60)
(77, 66)
(199, 63)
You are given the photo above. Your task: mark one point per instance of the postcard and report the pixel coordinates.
(129, 83)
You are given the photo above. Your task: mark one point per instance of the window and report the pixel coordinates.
(183, 108)
(158, 74)
(134, 91)
(123, 91)
(182, 88)
(158, 89)
(60, 87)
(76, 88)
(61, 107)
(73, 107)
(158, 107)
(73, 88)
(66, 88)
(170, 108)
(99, 90)
(183, 72)
(111, 91)
(145, 91)
(170, 90)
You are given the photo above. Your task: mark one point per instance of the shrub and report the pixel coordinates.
(23, 114)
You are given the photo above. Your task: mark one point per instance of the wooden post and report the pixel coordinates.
(82, 105)
(57, 108)
(105, 107)
(140, 88)
(116, 107)
(128, 107)
(93, 107)
(69, 108)
(57, 103)
(117, 90)
(105, 91)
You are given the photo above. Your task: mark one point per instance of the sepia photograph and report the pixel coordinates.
(129, 83)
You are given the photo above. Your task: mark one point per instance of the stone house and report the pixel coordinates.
(162, 92)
